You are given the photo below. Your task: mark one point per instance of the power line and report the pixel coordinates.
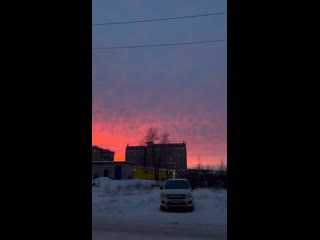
(160, 19)
(160, 45)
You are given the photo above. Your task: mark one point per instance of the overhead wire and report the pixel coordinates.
(159, 45)
(159, 19)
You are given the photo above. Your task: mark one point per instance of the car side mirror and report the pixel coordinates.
(161, 188)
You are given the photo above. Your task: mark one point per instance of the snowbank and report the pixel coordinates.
(139, 200)
(108, 187)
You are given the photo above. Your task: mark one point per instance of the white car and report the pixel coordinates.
(176, 193)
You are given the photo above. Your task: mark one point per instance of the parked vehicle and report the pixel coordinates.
(176, 193)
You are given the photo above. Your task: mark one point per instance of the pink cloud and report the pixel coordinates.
(114, 129)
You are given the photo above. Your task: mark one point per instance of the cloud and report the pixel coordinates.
(180, 89)
(114, 128)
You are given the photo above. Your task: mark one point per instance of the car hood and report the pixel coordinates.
(176, 191)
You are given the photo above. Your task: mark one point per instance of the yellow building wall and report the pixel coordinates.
(140, 173)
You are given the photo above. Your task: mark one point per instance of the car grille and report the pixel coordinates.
(180, 196)
(176, 204)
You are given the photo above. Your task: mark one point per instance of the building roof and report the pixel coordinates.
(140, 147)
(170, 145)
(162, 169)
(161, 145)
(115, 162)
(95, 146)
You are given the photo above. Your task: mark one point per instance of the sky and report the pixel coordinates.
(179, 89)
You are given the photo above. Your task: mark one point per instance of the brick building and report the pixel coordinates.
(171, 156)
(100, 154)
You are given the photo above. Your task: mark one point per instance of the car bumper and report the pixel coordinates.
(187, 202)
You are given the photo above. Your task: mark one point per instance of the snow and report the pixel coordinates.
(101, 235)
(120, 198)
(126, 202)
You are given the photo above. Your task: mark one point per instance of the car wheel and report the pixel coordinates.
(162, 208)
(191, 208)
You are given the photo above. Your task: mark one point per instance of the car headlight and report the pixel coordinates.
(188, 195)
(163, 195)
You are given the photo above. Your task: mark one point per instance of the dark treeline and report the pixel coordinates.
(198, 178)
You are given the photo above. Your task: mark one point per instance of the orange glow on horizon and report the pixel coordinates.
(114, 131)
(119, 159)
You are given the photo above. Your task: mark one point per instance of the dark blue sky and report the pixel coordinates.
(181, 89)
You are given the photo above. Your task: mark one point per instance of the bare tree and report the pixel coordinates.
(152, 135)
(164, 138)
(199, 164)
(157, 162)
(156, 166)
(222, 165)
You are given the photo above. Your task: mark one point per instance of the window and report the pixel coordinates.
(177, 184)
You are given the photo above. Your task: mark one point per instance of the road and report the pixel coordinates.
(106, 228)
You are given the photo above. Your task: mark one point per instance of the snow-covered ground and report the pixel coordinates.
(129, 205)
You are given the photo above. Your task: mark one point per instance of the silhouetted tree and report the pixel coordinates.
(152, 135)
(199, 162)
(156, 166)
(222, 166)
(164, 138)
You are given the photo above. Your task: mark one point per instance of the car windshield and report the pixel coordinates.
(177, 185)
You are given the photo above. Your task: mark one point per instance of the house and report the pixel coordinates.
(148, 173)
(113, 170)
